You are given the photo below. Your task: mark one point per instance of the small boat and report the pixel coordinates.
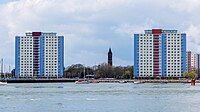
(3, 83)
(138, 82)
(122, 81)
(94, 81)
(163, 82)
(82, 82)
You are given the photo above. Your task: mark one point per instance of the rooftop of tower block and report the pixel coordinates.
(159, 31)
(40, 34)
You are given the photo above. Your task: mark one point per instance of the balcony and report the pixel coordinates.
(36, 46)
(156, 66)
(156, 63)
(36, 59)
(156, 57)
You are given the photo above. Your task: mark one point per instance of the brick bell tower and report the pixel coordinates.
(110, 57)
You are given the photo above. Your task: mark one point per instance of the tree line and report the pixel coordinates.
(99, 71)
(190, 75)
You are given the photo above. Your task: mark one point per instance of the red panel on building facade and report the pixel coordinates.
(36, 33)
(156, 31)
(189, 66)
(156, 47)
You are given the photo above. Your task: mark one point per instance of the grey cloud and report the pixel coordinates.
(90, 27)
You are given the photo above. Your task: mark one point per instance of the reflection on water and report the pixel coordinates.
(102, 97)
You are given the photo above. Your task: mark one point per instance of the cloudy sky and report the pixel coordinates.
(90, 27)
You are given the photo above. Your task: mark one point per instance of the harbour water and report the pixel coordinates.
(102, 97)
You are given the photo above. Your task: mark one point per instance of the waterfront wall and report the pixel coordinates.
(94, 80)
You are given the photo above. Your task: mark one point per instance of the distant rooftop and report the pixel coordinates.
(40, 34)
(159, 31)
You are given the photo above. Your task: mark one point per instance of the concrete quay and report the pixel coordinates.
(144, 81)
(57, 80)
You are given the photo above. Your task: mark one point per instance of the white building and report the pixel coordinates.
(159, 53)
(192, 61)
(39, 55)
